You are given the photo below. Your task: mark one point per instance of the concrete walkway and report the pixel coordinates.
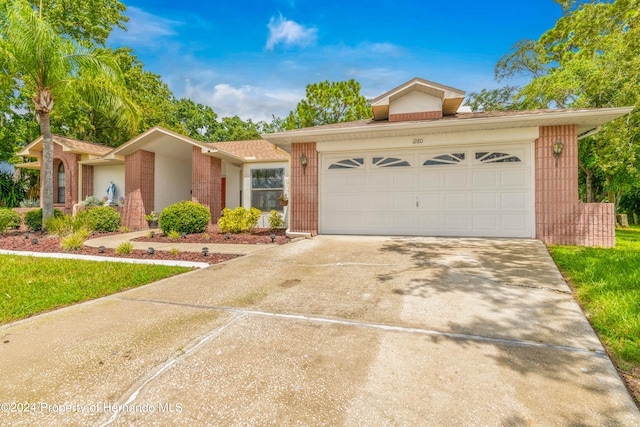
(339, 331)
(113, 241)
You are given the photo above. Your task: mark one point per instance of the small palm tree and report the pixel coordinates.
(46, 66)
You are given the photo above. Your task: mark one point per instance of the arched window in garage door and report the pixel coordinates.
(445, 159)
(353, 163)
(495, 157)
(389, 162)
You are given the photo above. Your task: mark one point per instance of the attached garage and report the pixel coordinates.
(423, 166)
(462, 191)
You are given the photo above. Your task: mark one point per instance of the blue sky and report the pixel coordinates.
(254, 58)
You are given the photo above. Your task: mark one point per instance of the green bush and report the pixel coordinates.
(124, 248)
(238, 220)
(185, 217)
(102, 218)
(74, 241)
(12, 191)
(30, 203)
(67, 224)
(275, 220)
(8, 219)
(92, 201)
(33, 219)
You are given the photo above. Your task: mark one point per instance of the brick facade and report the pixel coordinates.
(87, 181)
(560, 218)
(139, 188)
(70, 162)
(304, 189)
(207, 182)
(425, 115)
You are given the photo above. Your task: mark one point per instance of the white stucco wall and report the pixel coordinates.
(233, 175)
(415, 102)
(103, 175)
(172, 181)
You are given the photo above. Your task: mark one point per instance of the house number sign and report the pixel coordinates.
(418, 140)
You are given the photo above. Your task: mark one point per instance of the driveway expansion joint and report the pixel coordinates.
(381, 326)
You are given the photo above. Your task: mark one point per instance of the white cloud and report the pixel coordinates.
(144, 29)
(247, 102)
(289, 33)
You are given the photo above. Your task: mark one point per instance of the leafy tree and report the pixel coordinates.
(235, 129)
(85, 21)
(46, 66)
(195, 120)
(504, 98)
(329, 102)
(589, 59)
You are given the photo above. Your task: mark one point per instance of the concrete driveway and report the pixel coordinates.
(351, 331)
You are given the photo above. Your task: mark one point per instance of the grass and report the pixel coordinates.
(607, 285)
(33, 285)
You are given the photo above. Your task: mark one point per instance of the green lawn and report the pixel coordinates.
(607, 283)
(31, 285)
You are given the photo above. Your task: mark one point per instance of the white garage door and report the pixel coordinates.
(464, 191)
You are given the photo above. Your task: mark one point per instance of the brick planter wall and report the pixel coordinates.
(560, 218)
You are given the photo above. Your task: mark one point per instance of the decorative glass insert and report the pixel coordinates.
(494, 157)
(61, 183)
(389, 162)
(266, 187)
(348, 163)
(445, 159)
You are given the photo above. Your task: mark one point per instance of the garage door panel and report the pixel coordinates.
(485, 222)
(439, 195)
(513, 200)
(483, 180)
(454, 201)
(515, 222)
(513, 178)
(484, 201)
(403, 202)
(457, 223)
(431, 181)
(381, 183)
(404, 181)
(456, 180)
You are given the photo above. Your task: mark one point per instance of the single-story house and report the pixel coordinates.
(420, 166)
(159, 167)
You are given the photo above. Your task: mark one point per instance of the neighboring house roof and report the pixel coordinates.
(587, 120)
(68, 144)
(252, 150)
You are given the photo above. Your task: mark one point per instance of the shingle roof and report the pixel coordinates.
(257, 149)
(88, 147)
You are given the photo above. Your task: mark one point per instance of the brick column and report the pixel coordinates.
(87, 181)
(206, 182)
(560, 218)
(139, 188)
(304, 189)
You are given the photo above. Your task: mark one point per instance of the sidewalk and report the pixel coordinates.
(114, 241)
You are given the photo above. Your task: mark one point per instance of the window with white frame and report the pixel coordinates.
(266, 187)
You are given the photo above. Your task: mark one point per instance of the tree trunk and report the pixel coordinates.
(589, 185)
(46, 167)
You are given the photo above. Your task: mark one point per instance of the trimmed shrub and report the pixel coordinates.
(238, 220)
(275, 220)
(92, 201)
(102, 218)
(8, 219)
(33, 219)
(185, 217)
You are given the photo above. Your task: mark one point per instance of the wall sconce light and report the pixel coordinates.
(557, 149)
(303, 161)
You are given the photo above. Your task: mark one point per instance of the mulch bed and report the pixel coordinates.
(42, 242)
(256, 237)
